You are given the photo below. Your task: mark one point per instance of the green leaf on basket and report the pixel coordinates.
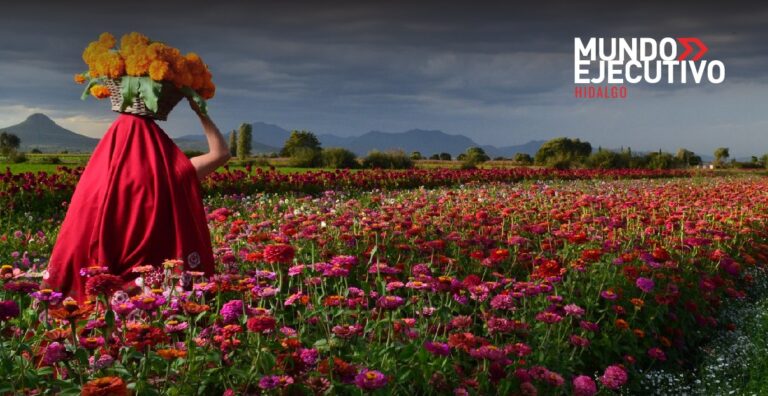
(129, 88)
(190, 93)
(87, 90)
(149, 91)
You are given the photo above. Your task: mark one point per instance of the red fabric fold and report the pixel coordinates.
(138, 202)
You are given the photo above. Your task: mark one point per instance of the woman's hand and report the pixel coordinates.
(218, 152)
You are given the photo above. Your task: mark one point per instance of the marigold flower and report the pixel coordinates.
(100, 91)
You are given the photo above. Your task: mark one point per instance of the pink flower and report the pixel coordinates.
(548, 317)
(390, 302)
(614, 377)
(645, 284)
(657, 354)
(370, 379)
(573, 310)
(584, 386)
(231, 311)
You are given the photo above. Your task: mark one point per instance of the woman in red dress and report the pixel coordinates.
(138, 202)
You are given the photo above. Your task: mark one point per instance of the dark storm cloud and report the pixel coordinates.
(499, 72)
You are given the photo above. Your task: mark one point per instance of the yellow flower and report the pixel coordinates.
(159, 70)
(107, 40)
(100, 91)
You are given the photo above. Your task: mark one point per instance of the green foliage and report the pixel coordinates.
(387, 160)
(416, 155)
(9, 143)
(298, 140)
(476, 155)
(339, 158)
(563, 153)
(606, 159)
(244, 141)
(445, 157)
(192, 153)
(233, 143)
(523, 159)
(721, 154)
(17, 157)
(51, 159)
(305, 157)
(36, 151)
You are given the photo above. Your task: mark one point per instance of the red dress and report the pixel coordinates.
(138, 202)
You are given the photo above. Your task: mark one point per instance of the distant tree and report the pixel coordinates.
(416, 155)
(233, 143)
(9, 143)
(435, 157)
(244, 141)
(339, 158)
(387, 160)
(563, 152)
(661, 160)
(445, 156)
(523, 158)
(764, 160)
(36, 151)
(300, 139)
(476, 155)
(721, 154)
(461, 157)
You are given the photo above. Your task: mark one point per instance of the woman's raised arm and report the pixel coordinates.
(218, 153)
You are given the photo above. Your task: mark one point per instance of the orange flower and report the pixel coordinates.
(159, 70)
(622, 324)
(79, 79)
(100, 91)
(106, 386)
(171, 353)
(639, 333)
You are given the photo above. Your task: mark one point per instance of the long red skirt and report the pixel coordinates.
(138, 202)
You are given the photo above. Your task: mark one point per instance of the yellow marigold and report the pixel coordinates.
(159, 70)
(137, 64)
(107, 40)
(100, 91)
(79, 79)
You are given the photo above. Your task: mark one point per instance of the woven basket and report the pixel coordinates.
(168, 99)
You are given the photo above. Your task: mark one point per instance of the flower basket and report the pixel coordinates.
(168, 97)
(144, 77)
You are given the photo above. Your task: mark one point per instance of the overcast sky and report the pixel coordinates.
(499, 73)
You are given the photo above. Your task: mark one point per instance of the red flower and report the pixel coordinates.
(103, 284)
(279, 254)
(261, 324)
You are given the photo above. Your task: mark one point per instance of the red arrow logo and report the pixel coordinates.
(685, 41)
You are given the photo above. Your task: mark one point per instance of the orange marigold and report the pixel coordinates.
(159, 70)
(100, 91)
(79, 79)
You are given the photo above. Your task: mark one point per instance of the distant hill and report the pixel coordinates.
(199, 143)
(40, 132)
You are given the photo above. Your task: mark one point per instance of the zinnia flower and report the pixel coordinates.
(614, 377)
(390, 302)
(645, 284)
(278, 254)
(231, 311)
(274, 381)
(54, 353)
(584, 386)
(47, 295)
(261, 324)
(8, 309)
(103, 285)
(106, 386)
(370, 379)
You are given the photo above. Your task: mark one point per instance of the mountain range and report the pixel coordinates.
(40, 132)
(269, 138)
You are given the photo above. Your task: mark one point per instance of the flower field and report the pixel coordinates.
(563, 282)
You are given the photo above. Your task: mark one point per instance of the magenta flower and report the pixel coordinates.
(274, 381)
(370, 379)
(657, 354)
(489, 352)
(548, 317)
(437, 348)
(8, 309)
(614, 377)
(54, 353)
(47, 295)
(609, 295)
(91, 342)
(645, 284)
(231, 311)
(584, 386)
(309, 356)
(390, 302)
(573, 310)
